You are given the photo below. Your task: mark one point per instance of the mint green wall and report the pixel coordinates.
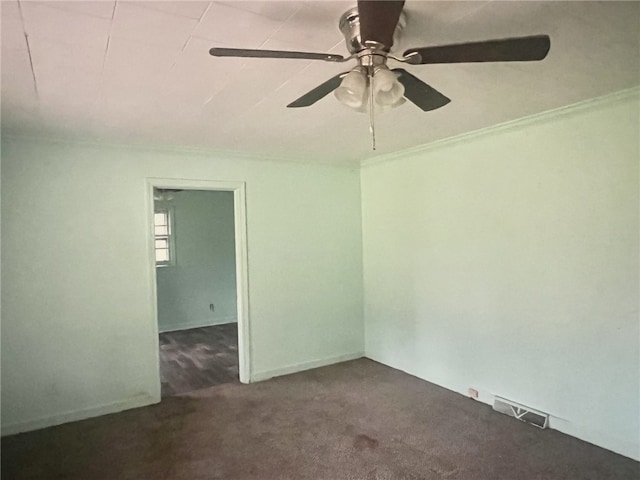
(78, 330)
(508, 262)
(204, 271)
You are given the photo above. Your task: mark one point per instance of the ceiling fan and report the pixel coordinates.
(369, 31)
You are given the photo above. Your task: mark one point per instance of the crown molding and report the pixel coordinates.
(547, 115)
(351, 164)
(175, 149)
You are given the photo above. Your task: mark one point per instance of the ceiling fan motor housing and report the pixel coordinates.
(349, 25)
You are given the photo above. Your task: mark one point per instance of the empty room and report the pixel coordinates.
(320, 240)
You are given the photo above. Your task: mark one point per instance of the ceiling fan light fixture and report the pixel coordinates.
(388, 92)
(352, 91)
(164, 194)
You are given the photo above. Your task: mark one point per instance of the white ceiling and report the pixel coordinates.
(140, 72)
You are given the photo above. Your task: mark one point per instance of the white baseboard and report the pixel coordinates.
(81, 414)
(204, 323)
(299, 367)
(600, 439)
(146, 399)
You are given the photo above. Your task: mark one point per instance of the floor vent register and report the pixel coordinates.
(521, 412)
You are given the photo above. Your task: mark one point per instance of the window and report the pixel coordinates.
(163, 241)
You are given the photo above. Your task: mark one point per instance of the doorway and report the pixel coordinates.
(198, 235)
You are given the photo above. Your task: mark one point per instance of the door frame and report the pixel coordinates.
(242, 271)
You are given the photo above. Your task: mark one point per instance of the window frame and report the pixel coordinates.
(170, 237)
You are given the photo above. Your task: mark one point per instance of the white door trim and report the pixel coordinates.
(242, 271)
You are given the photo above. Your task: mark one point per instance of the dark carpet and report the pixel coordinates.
(198, 358)
(355, 420)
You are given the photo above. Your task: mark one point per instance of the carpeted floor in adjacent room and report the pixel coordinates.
(355, 420)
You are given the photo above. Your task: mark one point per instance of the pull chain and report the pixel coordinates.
(372, 127)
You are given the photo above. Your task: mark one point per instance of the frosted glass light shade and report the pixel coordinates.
(387, 89)
(352, 91)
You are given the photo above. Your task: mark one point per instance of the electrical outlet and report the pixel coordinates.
(212, 307)
(473, 393)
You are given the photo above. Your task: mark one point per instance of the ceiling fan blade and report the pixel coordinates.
(243, 52)
(416, 91)
(319, 92)
(378, 20)
(517, 49)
